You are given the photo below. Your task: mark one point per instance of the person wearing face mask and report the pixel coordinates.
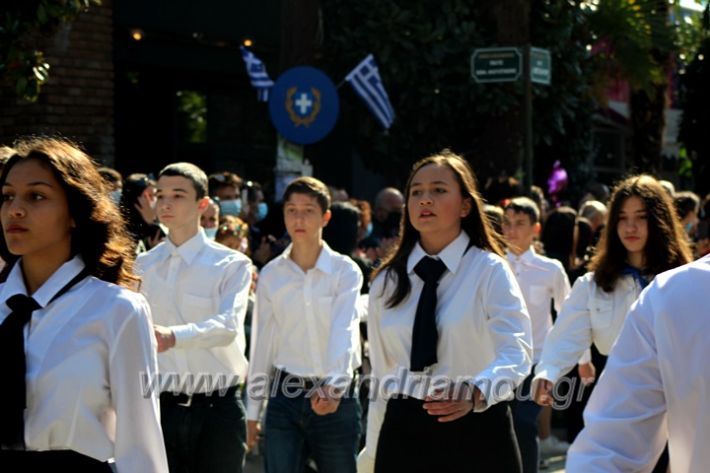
(226, 187)
(209, 220)
(113, 183)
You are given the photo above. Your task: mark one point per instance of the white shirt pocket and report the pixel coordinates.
(601, 312)
(538, 294)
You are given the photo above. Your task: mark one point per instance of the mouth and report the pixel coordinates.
(426, 214)
(15, 229)
(631, 238)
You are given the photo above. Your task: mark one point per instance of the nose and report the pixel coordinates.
(425, 199)
(16, 210)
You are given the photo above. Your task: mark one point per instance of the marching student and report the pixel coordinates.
(306, 329)
(75, 342)
(450, 337)
(642, 238)
(541, 280)
(656, 385)
(198, 292)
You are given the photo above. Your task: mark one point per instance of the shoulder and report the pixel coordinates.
(345, 264)
(271, 268)
(476, 259)
(221, 252)
(120, 297)
(549, 264)
(146, 259)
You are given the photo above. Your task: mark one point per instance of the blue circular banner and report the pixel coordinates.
(303, 105)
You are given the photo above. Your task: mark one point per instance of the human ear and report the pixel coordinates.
(326, 217)
(466, 206)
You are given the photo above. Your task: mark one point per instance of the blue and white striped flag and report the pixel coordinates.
(365, 79)
(257, 74)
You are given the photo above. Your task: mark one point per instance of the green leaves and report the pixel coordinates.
(23, 26)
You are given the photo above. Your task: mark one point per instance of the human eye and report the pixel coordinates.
(415, 192)
(441, 190)
(7, 197)
(37, 196)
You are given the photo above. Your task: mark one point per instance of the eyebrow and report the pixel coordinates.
(34, 183)
(432, 182)
(176, 189)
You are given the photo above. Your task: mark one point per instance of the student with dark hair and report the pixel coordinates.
(543, 282)
(558, 236)
(75, 341)
(642, 238)
(198, 291)
(306, 342)
(447, 323)
(138, 207)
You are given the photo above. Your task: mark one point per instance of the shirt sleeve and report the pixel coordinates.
(378, 403)
(220, 329)
(625, 417)
(510, 330)
(570, 336)
(264, 339)
(133, 368)
(562, 288)
(344, 341)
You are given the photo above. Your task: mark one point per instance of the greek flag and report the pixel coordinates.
(365, 79)
(257, 74)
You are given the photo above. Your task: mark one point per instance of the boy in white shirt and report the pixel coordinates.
(306, 328)
(541, 280)
(198, 292)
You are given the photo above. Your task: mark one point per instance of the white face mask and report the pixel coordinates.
(211, 233)
(115, 196)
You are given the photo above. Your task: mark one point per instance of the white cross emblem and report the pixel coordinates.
(303, 103)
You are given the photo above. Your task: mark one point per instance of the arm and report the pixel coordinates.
(378, 360)
(132, 361)
(561, 288)
(220, 329)
(510, 330)
(344, 340)
(570, 336)
(264, 339)
(625, 416)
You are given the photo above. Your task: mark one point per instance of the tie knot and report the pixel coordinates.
(430, 269)
(22, 304)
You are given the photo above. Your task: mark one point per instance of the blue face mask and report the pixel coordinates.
(368, 231)
(262, 210)
(211, 233)
(115, 196)
(230, 207)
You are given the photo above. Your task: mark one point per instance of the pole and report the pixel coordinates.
(527, 122)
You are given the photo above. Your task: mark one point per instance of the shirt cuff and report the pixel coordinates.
(254, 408)
(339, 381)
(547, 372)
(182, 333)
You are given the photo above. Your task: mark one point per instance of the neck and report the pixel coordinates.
(305, 254)
(636, 259)
(434, 243)
(36, 269)
(516, 250)
(179, 235)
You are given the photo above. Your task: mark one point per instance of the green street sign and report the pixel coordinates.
(540, 66)
(496, 65)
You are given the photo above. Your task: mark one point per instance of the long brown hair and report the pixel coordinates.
(666, 246)
(99, 236)
(475, 224)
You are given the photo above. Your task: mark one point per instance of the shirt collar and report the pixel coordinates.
(451, 255)
(189, 249)
(325, 258)
(15, 283)
(527, 257)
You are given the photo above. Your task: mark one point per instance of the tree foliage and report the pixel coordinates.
(23, 26)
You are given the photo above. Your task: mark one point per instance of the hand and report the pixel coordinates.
(587, 373)
(453, 403)
(146, 206)
(165, 338)
(543, 392)
(325, 400)
(253, 431)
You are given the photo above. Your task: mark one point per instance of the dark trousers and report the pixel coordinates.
(53, 460)
(293, 433)
(413, 441)
(525, 414)
(206, 436)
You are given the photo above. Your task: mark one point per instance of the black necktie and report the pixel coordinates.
(13, 365)
(425, 336)
(12, 357)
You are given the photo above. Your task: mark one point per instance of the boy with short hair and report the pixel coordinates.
(305, 329)
(198, 291)
(541, 279)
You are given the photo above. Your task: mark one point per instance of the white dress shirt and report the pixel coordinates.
(306, 323)
(589, 315)
(200, 290)
(656, 384)
(87, 355)
(485, 336)
(541, 279)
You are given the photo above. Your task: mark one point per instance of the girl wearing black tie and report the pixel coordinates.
(450, 338)
(75, 344)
